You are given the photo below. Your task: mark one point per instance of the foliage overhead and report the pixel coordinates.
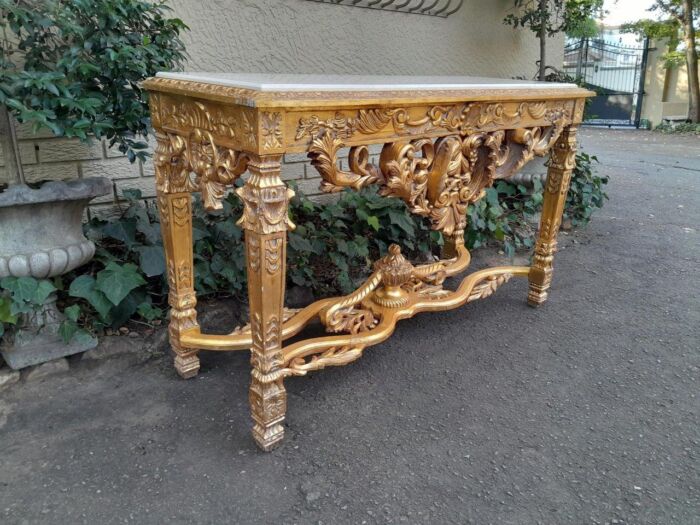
(555, 15)
(74, 65)
(546, 18)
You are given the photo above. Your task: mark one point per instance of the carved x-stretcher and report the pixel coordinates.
(445, 139)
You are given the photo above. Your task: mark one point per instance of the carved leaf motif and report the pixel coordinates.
(272, 130)
(215, 167)
(265, 208)
(406, 173)
(181, 211)
(273, 255)
(172, 173)
(488, 286)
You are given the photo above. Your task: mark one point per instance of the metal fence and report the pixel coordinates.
(615, 73)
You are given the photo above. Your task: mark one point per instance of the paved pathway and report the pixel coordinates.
(582, 412)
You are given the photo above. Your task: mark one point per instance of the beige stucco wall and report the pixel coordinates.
(665, 89)
(299, 36)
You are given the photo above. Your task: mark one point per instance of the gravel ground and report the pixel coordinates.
(584, 411)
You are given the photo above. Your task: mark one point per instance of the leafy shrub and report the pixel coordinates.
(74, 66)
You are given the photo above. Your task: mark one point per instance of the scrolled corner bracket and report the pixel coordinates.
(215, 167)
(524, 144)
(323, 153)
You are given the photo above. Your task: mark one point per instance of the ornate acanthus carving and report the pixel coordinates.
(436, 179)
(265, 208)
(172, 172)
(214, 167)
(324, 152)
(489, 285)
(230, 123)
(463, 118)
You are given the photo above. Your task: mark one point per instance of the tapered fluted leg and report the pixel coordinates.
(561, 166)
(175, 209)
(265, 220)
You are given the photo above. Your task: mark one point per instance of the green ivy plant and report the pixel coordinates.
(26, 295)
(586, 191)
(74, 66)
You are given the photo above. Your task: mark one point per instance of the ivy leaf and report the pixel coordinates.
(84, 287)
(124, 231)
(21, 288)
(402, 221)
(67, 330)
(72, 312)
(373, 221)
(42, 292)
(151, 260)
(148, 311)
(5, 311)
(116, 281)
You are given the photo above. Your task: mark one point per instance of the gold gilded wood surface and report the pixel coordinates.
(440, 150)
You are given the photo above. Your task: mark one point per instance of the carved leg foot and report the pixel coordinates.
(561, 166)
(537, 293)
(268, 402)
(186, 363)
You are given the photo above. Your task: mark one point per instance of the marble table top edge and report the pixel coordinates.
(269, 83)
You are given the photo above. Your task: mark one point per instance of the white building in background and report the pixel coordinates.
(611, 61)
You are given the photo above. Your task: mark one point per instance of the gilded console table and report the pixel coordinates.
(444, 141)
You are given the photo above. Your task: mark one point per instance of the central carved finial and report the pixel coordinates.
(396, 271)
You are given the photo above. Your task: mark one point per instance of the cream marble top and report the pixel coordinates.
(263, 82)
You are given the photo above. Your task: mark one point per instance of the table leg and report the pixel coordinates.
(176, 225)
(265, 221)
(561, 166)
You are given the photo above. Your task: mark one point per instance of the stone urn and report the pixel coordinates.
(42, 237)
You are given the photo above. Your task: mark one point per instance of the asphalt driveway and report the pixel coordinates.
(585, 411)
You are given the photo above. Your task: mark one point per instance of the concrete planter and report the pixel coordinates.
(42, 237)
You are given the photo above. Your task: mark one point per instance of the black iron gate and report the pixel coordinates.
(615, 73)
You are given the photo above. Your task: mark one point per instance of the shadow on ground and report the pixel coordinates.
(584, 411)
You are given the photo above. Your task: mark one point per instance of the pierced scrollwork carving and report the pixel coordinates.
(214, 167)
(437, 179)
(442, 181)
(340, 317)
(324, 157)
